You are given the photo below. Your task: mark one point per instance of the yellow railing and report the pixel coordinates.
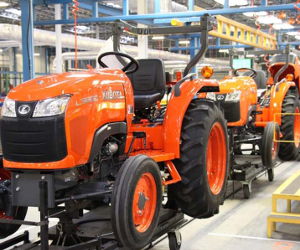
(237, 32)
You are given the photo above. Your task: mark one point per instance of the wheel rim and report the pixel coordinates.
(297, 127)
(216, 158)
(275, 145)
(4, 175)
(144, 202)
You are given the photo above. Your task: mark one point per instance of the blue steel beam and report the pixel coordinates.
(170, 16)
(156, 6)
(226, 4)
(191, 4)
(125, 7)
(27, 39)
(65, 11)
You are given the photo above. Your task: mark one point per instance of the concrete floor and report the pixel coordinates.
(240, 225)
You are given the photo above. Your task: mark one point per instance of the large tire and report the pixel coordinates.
(203, 163)
(270, 145)
(136, 202)
(290, 127)
(7, 211)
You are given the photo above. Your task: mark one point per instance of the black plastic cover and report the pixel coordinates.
(33, 139)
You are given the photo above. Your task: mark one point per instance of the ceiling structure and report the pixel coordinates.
(11, 14)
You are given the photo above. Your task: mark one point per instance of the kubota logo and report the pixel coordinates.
(220, 97)
(24, 109)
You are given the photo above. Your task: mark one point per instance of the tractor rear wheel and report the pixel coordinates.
(7, 211)
(136, 202)
(203, 164)
(290, 127)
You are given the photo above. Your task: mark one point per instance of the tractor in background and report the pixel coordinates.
(100, 141)
(278, 97)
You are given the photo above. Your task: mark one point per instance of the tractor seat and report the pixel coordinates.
(260, 78)
(149, 83)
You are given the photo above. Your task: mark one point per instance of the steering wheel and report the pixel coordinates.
(119, 54)
(253, 74)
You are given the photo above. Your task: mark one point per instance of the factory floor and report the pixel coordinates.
(240, 225)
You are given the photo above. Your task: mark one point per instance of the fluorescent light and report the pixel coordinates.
(293, 33)
(184, 42)
(37, 54)
(253, 14)
(270, 19)
(14, 11)
(282, 26)
(233, 2)
(81, 29)
(224, 51)
(158, 38)
(3, 4)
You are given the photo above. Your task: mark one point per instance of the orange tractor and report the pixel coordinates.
(278, 98)
(262, 114)
(100, 141)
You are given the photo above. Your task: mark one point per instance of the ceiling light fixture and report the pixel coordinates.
(3, 4)
(270, 19)
(184, 42)
(158, 38)
(283, 26)
(233, 2)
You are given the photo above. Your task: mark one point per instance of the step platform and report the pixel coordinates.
(288, 191)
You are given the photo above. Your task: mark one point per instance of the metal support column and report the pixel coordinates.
(264, 2)
(125, 7)
(192, 52)
(65, 11)
(142, 40)
(226, 4)
(156, 6)
(95, 9)
(58, 43)
(191, 4)
(27, 39)
(15, 69)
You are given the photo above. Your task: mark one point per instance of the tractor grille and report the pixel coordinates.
(33, 139)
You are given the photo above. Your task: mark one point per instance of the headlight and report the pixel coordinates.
(233, 97)
(51, 106)
(211, 96)
(9, 108)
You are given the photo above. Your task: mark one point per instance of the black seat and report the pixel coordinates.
(149, 83)
(260, 78)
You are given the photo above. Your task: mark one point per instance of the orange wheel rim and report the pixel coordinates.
(144, 202)
(275, 146)
(274, 150)
(297, 127)
(216, 158)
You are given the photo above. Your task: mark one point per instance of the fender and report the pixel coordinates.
(278, 93)
(103, 133)
(177, 107)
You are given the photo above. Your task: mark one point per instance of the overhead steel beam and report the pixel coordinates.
(167, 17)
(27, 39)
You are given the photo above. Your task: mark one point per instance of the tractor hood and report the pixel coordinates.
(66, 83)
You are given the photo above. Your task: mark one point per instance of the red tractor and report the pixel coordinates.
(100, 141)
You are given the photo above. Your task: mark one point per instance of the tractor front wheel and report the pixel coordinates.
(136, 202)
(203, 165)
(290, 127)
(270, 145)
(7, 211)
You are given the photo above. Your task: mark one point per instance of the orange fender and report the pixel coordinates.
(177, 107)
(278, 92)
